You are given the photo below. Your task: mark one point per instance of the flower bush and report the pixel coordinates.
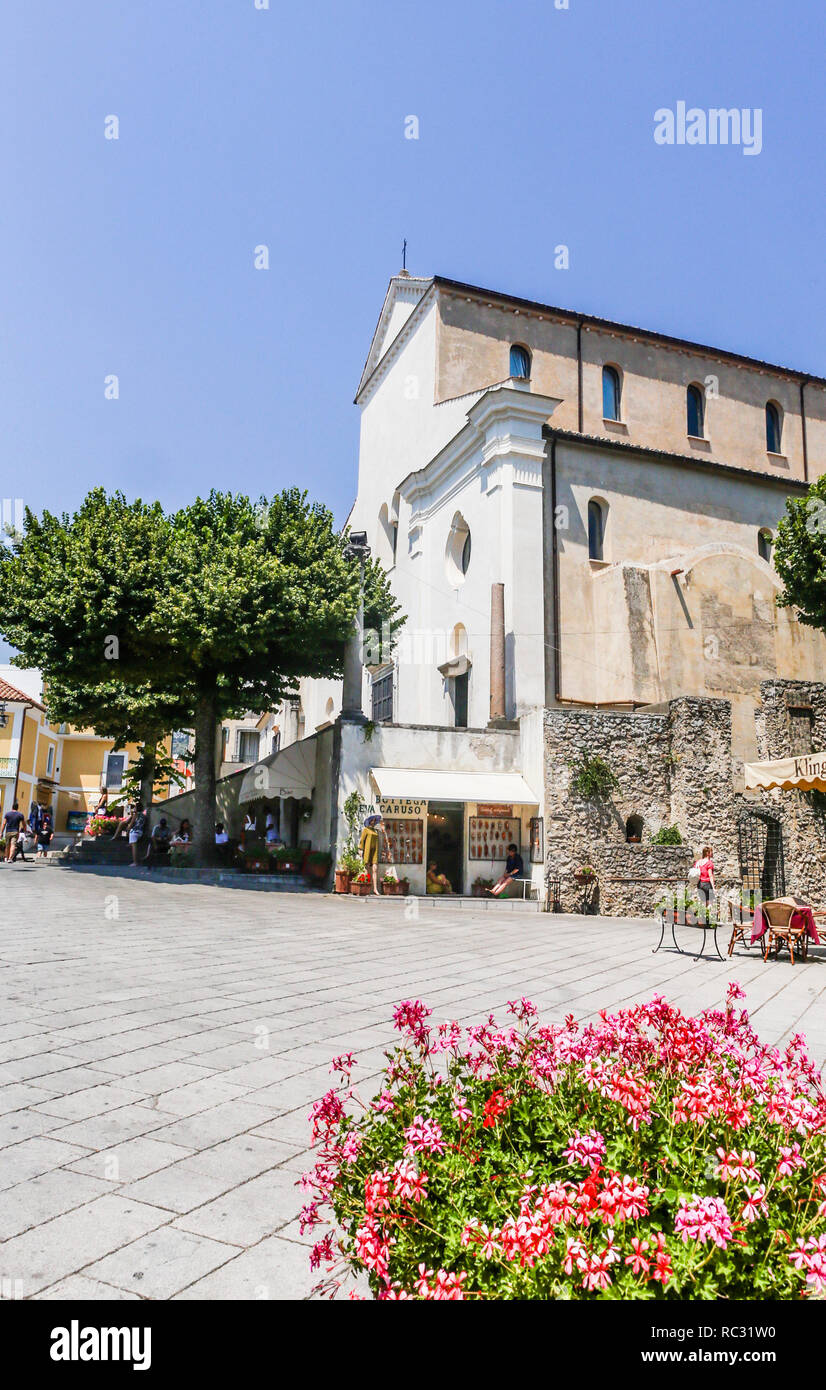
(104, 825)
(647, 1155)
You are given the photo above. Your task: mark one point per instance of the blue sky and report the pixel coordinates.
(285, 126)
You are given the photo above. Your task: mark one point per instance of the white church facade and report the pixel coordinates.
(577, 517)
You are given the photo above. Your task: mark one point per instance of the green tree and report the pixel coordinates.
(258, 594)
(800, 555)
(191, 618)
(76, 593)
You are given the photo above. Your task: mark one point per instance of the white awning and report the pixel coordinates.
(290, 772)
(420, 784)
(804, 774)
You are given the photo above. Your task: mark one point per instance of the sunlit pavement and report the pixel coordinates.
(160, 1046)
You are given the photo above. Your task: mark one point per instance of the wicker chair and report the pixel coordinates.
(779, 932)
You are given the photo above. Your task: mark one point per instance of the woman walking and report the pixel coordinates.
(369, 847)
(705, 883)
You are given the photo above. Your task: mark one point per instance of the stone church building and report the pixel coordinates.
(578, 518)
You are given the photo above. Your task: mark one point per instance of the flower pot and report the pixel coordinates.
(582, 879)
(342, 880)
(398, 889)
(257, 866)
(286, 866)
(316, 870)
(360, 890)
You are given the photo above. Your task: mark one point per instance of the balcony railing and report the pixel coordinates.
(8, 767)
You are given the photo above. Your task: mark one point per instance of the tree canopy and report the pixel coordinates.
(141, 621)
(800, 555)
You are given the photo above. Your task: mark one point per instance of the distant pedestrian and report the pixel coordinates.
(705, 883)
(44, 831)
(369, 847)
(133, 827)
(14, 824)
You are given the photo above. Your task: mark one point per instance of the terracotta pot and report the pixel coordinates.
(585, 878)
(396, 890)
(316, 870)
(360, 890)
(343, 880)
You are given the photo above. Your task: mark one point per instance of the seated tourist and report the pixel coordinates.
(160, 839)
(514, 868)
(436, 882)
(183, 836)
(221, 836)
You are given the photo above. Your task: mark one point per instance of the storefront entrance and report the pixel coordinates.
(445, 840)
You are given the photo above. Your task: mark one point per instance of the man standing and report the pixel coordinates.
(14, 824)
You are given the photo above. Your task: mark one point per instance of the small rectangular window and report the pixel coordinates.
(50, 760)
(801, 719)
(381, 692)
(115, 764)
(248, 745)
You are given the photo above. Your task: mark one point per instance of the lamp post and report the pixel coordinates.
(351, 708)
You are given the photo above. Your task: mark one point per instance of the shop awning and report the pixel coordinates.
(290, 772)
(420, 784)
(803, 774)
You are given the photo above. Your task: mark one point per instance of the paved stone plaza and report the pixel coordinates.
(160, 1046)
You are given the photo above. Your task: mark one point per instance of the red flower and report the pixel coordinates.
(494, 1107)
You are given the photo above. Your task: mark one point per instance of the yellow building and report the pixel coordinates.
(56, 765)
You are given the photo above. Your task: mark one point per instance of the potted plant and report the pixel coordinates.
(317, 864)
(287, 860)
(347, 867)
(361, 884)
(394, 887)
(585, 874)
(480, 886)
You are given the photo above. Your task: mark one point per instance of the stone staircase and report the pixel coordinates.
(91, 853)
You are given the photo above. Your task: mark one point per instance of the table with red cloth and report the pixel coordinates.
(802, 916)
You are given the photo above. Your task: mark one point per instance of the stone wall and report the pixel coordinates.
(673, 768)
(802, 815)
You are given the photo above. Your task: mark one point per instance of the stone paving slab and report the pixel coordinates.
(157, 1065)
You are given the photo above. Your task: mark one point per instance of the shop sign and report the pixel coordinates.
(402, 806)
(493, 810)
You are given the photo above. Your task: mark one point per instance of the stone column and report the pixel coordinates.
(497, 652)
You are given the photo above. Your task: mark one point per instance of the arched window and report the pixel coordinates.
(634, 829)
(457, 550)
(695, 412)
(611, 392)
(520, 361)
(765, 541)
(774, 428)
(596, 530)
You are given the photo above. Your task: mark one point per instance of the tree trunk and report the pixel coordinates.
(205, 732)
(148, 764)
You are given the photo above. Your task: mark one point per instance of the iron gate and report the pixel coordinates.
(760, 841)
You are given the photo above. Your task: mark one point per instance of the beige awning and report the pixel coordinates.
(804, 774)
(289, 772)
(424, 784)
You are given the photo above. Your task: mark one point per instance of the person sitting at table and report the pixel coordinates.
(514, 868)
(436, 882)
